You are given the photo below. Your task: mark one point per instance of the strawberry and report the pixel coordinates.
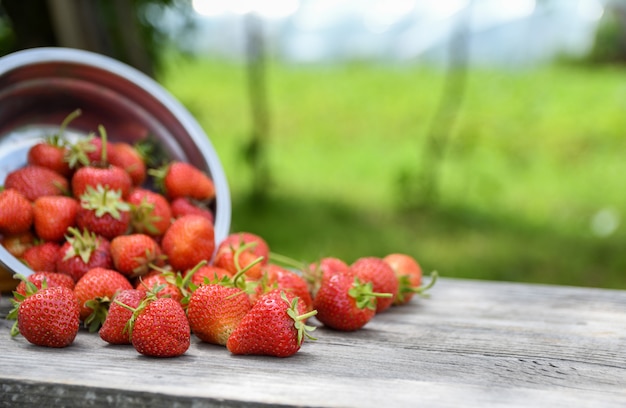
(42, 257)
(52, 279)
(133, 254)
(101, 173)
(180, 179)
(53, 150)
(17, 212)
(159, 328)
(111, 177)
(104, 212)
(239, 250)
(188, 241)
(94, 292)
(275, 326)
(214, 311)
(53, 215)
(375, 270)
(326, 265)
(83, 251)
(113, 330)
(277, 277)
(17, 244)
(160, 278)
(36, 181)
(151, 212)
(50, 154)
(409, 275)
(345, 303)
(127, 157)
(184, 206)
(49, 317)
(208, 274)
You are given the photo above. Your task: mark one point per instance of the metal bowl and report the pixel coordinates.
(39, 87)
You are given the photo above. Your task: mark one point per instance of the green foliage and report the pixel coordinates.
(534, 160)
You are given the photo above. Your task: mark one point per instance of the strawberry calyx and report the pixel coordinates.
(100, 310)
(81, 244)
(299, 320)
(159, 174)
(405, 286)
(103, 200)
(143, 217)
(364, 295)
(77, 154)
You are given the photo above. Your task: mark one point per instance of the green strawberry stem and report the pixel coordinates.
(300, 325)
(103, 137)
(287, 261)
(241, 249)
(421, 290)
(68, 119)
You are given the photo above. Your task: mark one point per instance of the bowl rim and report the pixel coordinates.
(44, 55)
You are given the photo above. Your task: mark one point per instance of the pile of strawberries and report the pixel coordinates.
(139, 265)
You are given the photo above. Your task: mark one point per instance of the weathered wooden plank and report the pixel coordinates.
(472, 343)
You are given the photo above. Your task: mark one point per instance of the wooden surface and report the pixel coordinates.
(472, 343)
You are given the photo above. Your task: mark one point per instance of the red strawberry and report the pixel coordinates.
(180, 179)
(156, 278)
(188, 241)
(94, 292)
(375, 270)
(52, 279)
(110, 177)
(17, 244)
(53, 215)
(343, 302)
(242, 250)
(409, 274)
(275, 326)
(126, 157)
(151, 212)
(52, 152)
(36, 181)
(214, 311)
(114, 330)
(104, 212)
(82, 252)
(49, 317)
(160, 328)
(184, 206)
(42, 257)
(277, 277)
(133, 254)
(17, 212)
(101, 172)
(209, 274)
(327, 265)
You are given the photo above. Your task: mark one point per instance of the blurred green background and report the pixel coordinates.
(478, 171)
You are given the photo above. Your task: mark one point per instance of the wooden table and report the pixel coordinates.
(473, 343)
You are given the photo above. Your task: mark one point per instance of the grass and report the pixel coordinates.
(534, 158)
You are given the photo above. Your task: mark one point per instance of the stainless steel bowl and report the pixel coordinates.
(40, 86)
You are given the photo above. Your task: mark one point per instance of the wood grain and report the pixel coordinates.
(473, 343)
